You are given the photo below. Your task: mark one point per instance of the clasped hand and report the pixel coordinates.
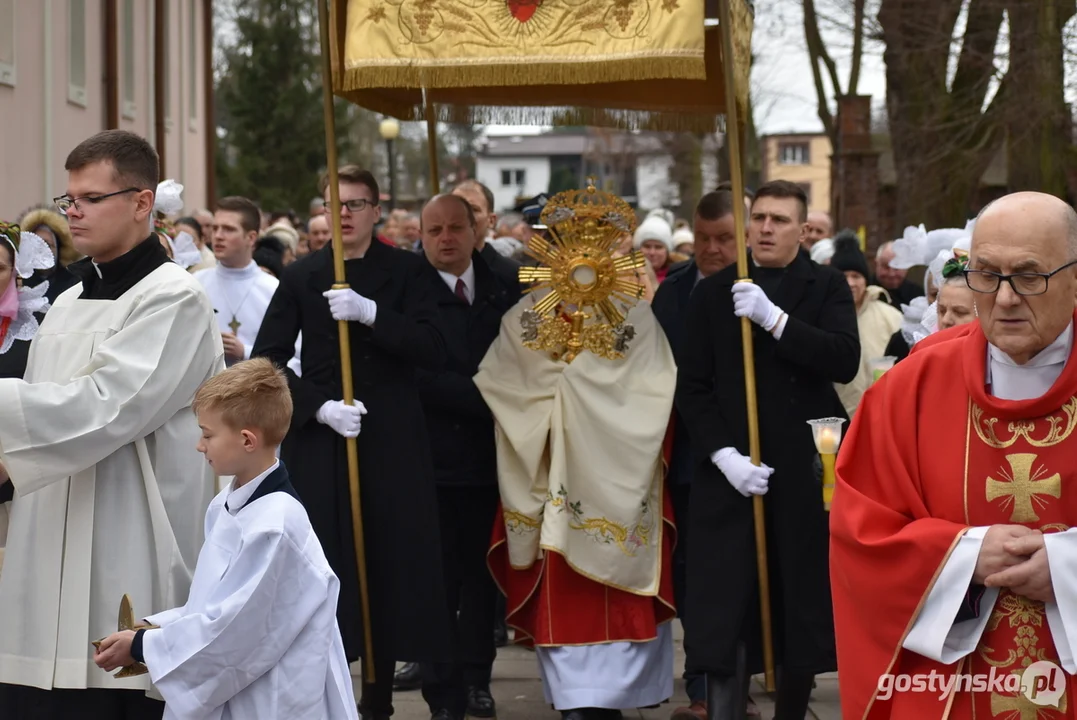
(1015, 557)
(114, 652)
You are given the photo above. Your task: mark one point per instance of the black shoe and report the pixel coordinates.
(480, 704)
(408, 677)
(577, 714)
(443, 715)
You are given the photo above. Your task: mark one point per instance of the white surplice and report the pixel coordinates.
(110, 491)
(258, 637)
(240, 294)
(934, 633)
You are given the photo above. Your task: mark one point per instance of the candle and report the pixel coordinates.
(827, 443)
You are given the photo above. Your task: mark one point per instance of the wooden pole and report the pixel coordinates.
(112, 66)
(160, 136)
(340, 283)
(209, 118)
(432, 148)
(732, 136)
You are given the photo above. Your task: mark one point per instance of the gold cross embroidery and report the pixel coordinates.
(1021, 486)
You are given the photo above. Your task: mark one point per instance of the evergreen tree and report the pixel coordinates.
(270, 99)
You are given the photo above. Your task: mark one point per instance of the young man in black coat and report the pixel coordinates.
(715, 249)
(805, 339)
(392, 316)
(471, 299)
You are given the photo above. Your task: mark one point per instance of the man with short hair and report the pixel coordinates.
(99, 442)
(411, 234)
(318, 232)
(952, 541)
(805, 340)
(893, 280)
(471, 300)
(392, 317)
(481, 199)
(317, 207)
(237, 287)
(818, 228)
(715, 249)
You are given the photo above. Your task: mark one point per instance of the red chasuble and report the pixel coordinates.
(550, 604)
(930, 454)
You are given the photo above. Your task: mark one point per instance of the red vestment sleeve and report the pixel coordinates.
(885, 548)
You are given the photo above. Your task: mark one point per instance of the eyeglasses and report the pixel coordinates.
(1027, 283)
(65, 202)
(358, 205)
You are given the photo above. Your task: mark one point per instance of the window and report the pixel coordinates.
(76, 52)
(513, 177)
(7, 42)
(794, 153)
(128, 33)
(192, 64)
(806, 187)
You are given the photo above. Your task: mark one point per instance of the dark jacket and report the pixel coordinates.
(795, 379)
(670, 307)
(507, 269)
(460, 425)
(396, 475)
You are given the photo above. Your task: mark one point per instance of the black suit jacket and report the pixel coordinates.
(670, 307)
(458, 421)
(507, 269)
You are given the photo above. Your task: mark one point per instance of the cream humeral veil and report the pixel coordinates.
(579, 451)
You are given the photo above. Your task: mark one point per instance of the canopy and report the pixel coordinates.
(616, 63)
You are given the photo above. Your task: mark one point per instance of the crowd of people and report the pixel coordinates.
(586, 504)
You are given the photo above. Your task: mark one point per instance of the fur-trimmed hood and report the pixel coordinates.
(57, 223)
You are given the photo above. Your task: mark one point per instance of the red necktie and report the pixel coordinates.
(461, 290)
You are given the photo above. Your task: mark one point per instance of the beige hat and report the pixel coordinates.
(287, 234)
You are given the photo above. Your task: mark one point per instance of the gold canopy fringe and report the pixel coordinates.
(659, 121)
(398, 73)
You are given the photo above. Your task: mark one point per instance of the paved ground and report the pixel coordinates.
(518, 692)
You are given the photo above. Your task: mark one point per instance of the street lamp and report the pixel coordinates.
(390, 130)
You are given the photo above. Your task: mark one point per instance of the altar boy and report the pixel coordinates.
(258, 637)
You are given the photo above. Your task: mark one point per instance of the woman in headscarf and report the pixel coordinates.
(876, 319)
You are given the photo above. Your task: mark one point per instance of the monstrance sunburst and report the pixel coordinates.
(584, 274)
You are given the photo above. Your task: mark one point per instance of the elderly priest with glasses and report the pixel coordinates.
(952, 553)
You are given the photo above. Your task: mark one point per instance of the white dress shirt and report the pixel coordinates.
(469, 282)
(239, 497)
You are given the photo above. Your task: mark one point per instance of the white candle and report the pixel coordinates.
(828, 442)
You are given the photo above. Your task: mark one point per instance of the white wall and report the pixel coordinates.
(653, 184)
(536, 178)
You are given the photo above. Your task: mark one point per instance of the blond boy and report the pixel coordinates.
(258, 637)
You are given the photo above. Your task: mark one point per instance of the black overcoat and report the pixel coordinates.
(396, 476)
(820, 346)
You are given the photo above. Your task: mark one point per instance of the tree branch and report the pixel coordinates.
(816, 53)
(976, 63)
(858, 45)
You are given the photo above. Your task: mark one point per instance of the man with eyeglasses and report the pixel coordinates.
(392, 312)
(957, 488)
(99, 442)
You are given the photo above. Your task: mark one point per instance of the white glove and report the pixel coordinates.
(351, 306)
(346, 420)
(751, 302)
(746, 478)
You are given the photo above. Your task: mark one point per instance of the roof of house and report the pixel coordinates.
(581, 143)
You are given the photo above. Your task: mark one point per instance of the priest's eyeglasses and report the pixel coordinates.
(65, 202)
(1025, 283)
(358, 205)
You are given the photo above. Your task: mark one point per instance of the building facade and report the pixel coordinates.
(70, 68)
(634, 166)
(803, 158)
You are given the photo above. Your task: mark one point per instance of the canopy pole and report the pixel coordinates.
(432, 148)
(340, 283)
(732, 136)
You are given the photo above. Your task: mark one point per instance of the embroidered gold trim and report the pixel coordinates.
(1061, 427)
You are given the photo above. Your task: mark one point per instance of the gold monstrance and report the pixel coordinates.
(583, 271)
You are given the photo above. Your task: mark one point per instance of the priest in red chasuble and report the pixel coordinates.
(953, 562)
(583, 543)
